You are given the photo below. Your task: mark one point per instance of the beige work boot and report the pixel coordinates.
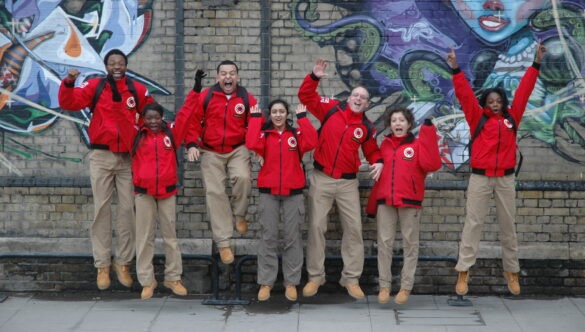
(176, 286)
(355, 291)
(148, 291)
(513, 282)
(290, 292)
(312, 287)
(123, 274)
(264, 293)
(384, 295)
(402, 296)
(461, 287)
(226, 255)
(241, 225)
(103, 278)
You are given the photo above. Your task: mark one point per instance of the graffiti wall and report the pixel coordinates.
(397, 50)
(39, 41)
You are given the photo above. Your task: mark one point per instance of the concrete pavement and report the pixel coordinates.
(125, 312)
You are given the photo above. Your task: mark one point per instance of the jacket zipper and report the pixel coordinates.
(338, 148)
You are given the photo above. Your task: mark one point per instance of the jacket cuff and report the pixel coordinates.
(302, 115)
(315, 78)
(428, 122)
(256, 115)
(456, 70)
(536, 65)
(69, 83)
(192, 145)
(381, 161)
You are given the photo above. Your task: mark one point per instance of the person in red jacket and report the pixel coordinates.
(154, 167)
(281, 181)
(109, 161)
(399, 193)
(218, 133)
(493, 159)
(344, 129)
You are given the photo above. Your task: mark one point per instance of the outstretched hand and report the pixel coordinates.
(72, 74)
(301, 109)
(452, 58)
(319, 68)
(540, 50)
(199, 75)
(255, 109)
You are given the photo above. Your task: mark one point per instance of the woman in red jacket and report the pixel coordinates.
(494, 125)
(154, 173)
(399, 193)
(281, 181)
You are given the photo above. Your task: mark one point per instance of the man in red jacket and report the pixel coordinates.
(218, 133)
(493, 159)
(344, 129)
(109, 161)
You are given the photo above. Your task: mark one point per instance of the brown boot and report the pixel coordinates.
(148, 291)
(123, 274)
(462, 279)
(226, 255)
(241, 225)
(103, 278)
(355, 291)
(384, 295)
(264, 293)
(312, 287)
(176, 286)
(402, 296)
(290, 292)
(513, 282)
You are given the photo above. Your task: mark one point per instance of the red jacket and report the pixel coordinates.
(154, 162)
(337, 152)
(493, 151)
(103, 130)
(406, 165)
(281, 173)
(222, 127)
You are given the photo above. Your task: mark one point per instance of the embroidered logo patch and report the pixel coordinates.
(408, 153)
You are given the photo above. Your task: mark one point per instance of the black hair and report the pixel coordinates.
(499, 91)
(227, 62)
(113, 52)
(279, 101)
(153, 107)
(407, 112)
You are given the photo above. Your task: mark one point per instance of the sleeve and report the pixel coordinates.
(467, 99)
(145, 99)
(372, 206)
(255, 138)
(430, 158)
(371, 149)
(126, 127)
(308, 96)
(183, 120)
(73, 98)
(308, 138)
(193, 100)
(523, 92)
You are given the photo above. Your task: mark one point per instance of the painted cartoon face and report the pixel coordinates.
(496, 20)
(278, 115)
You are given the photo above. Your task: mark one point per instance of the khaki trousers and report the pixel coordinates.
(147, 209)
(293, 217)
(215, 168)
(109, 170)
(387, 218)
(323, 192)
(480, 190)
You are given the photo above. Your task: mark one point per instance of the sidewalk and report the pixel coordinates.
(124, 312)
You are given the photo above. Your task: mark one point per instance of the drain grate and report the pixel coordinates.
(439, 317)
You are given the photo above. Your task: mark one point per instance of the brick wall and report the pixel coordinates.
(52, 202)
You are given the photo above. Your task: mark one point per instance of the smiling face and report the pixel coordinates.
(496, 20)
(227, 77)
(359, 100)
(278, 115)
(116, 66)
(153, 120)
(399, 125)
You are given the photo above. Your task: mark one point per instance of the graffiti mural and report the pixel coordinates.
(397, 50)
(41, 39)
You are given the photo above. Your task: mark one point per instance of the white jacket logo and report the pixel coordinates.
(292, 142)
(240, 109)
(358, 133)
(131, 103)
(409, 153)
(167, 142)
(508, 123)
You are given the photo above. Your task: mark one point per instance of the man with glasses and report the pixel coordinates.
(344, 129)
